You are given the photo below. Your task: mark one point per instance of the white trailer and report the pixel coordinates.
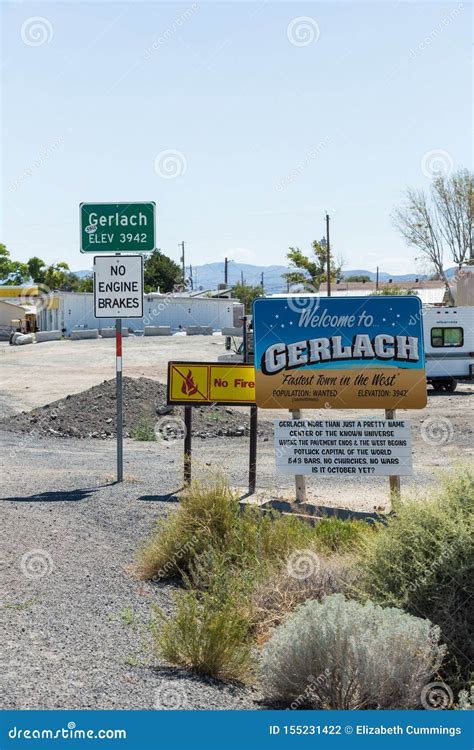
(449, 346)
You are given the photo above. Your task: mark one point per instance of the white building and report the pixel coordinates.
(75, 310)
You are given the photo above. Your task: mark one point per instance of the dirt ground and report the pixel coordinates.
(38, 374)
(73, 615)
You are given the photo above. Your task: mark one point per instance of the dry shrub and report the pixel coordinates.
(278, 596)
(340, 654)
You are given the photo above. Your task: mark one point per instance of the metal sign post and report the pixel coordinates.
(253, 449)
(253, 416)
(119, 395)
(118, 293)
(188, 421)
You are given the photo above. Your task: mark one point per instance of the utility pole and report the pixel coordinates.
(377, 280)
(226, 263)
(328, 257)
(242, 278)
(261, 282)
(191, 277)
(181, 245)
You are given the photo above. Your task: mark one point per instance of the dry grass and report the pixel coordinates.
(278, 596)
(207, 514)
(129, 478)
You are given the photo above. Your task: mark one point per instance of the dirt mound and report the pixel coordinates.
(91, 414)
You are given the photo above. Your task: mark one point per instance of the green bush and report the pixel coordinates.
(144, 431)
(206, 517)
(210, 519)
(423, 562)
(205, 634)
(340, 654)
(337, 535)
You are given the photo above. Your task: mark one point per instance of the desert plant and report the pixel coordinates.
(423, 562)
(222, 552)
(466, 700)
(275, 598)
(206, 635)
(210, 518)
(207, 514)
(334, 534)
(144, 430)
(340, 654)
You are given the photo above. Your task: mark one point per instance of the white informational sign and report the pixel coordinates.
(118, 286)
(343, 447)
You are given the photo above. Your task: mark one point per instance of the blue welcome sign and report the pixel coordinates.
(351, 353)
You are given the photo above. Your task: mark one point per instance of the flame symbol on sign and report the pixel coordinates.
(189, 387)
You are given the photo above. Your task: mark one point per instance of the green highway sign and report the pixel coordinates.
(117, 227)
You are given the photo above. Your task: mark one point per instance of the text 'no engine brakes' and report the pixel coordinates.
(118, 286)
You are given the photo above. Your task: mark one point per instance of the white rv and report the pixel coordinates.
(449, 345)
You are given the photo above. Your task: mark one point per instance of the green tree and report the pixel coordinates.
(59, 276)
(361, 278)
(19, 274)
(12, 272)
(36, 268)
(247, 294)
(160, 272)
(86, 284)
(310, 270)
(5, 262)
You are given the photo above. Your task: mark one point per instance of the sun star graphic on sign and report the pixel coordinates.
(117, 227)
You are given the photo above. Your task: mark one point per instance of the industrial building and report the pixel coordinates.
(75, 311)
(18, 309)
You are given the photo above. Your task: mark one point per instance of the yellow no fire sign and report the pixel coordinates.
(211, 383)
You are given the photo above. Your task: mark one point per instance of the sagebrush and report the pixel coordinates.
(340, 654)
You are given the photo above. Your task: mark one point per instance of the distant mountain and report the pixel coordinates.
(209, 275)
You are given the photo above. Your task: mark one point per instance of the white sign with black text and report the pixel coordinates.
(343, 447)
(118, 286)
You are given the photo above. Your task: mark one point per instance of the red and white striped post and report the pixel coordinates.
(119, 397)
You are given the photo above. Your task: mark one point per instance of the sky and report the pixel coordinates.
(244, 121)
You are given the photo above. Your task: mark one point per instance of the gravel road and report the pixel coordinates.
(76, 637)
